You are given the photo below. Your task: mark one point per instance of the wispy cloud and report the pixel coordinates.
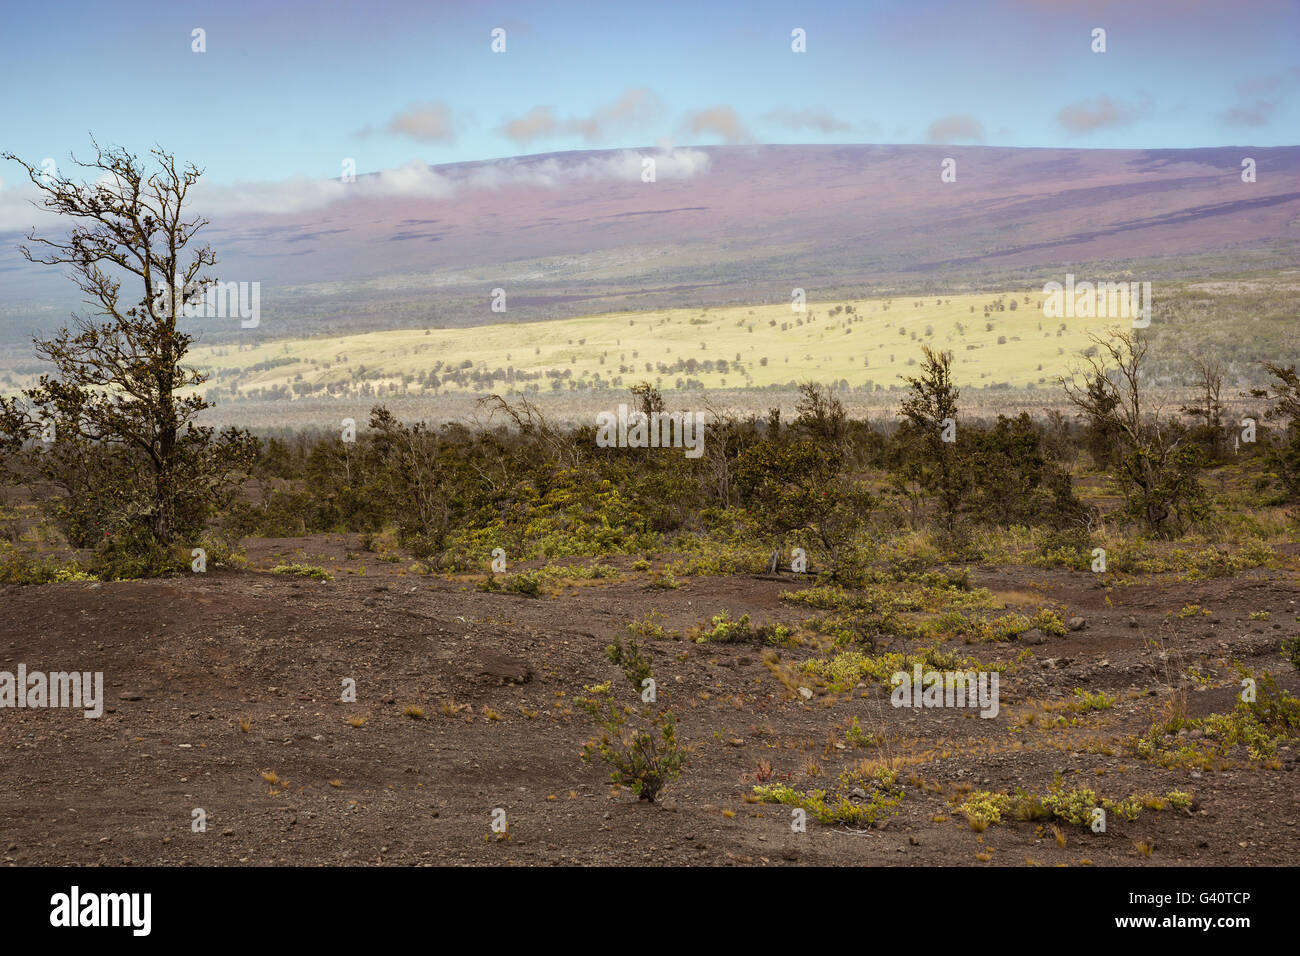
(810, 117)
(960, 127)
(638, 107)
(635, 109)
(1100, 113)
(537, 123)
(720, 121)
(1259, 98)
(1258, 113)
(428, 122)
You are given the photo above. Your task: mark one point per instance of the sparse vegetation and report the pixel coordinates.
(302, 571)
(902, 558)
(639, 746)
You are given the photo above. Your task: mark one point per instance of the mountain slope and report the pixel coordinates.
(577, 233)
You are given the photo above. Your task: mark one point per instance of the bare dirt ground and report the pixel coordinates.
(223, 693)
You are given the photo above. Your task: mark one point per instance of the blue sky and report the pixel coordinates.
(291, 89)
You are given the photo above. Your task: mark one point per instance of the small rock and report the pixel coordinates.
(806, 693)
(1076, 624)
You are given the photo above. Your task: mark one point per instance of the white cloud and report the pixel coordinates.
(17, 214)
(554, 172)
(415, 180)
